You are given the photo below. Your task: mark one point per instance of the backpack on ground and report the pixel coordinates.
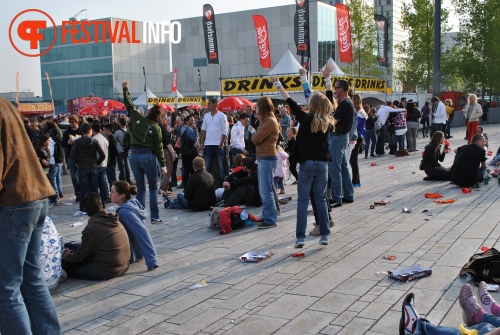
(215, 217)
(484, 267)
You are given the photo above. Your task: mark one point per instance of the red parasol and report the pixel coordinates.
(233, 103)
(101, 106)
(166, 107)
(194, 106)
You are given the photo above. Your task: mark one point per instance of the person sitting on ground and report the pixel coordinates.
(132, 215)
(238, 160)
(496, 160)
(480, 317)
(242, 187)
(104, 251)
(470, 163)
(199, 192)
(433, 154)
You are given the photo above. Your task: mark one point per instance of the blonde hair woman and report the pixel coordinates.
(311, 151)
(472, 113)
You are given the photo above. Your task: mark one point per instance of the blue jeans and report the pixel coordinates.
(145, 164)
(278, 183)
(265, 172)
(26, 306)
(73, 170)
(182, 199)
(111, 174)
(392, 139)
(488, 323)
(123, 167)
(401, 141)
(370, 137)
(312, 174)
(338, 169)
(210, 152)
(102, 182)
(88, 183)
(55, 174)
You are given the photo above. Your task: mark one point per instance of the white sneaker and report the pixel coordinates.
(79, 213)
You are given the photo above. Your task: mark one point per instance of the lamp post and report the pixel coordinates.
(436, 74)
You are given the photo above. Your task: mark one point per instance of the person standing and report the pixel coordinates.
(189, 138)
(440, 115)
(112, 154)
(267, 155)
(342, 189)
(450, 112)
(121, 135)
(312, 154)
(426, 112)
(146, 151)
(69, 136)
(238, 136)
(101, 168)
(213, 137)
(169, 153)
(472, 113)
(370, 135)
(361, 129)
(413, 114)
(285, 123)
(26, 306)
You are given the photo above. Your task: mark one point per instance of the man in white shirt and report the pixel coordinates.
(382, 115)
(212, 139)
(238, 136)
(440, 116)
(102, 181)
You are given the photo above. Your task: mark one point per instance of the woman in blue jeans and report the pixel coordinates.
(146, 151)
(481, 316)
(312, 154)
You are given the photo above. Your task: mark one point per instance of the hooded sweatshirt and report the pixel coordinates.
(132, 215)
(105, 239)
(84, 153)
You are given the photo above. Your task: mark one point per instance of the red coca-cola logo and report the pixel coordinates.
(301, 3)
(213, 55)
(345, 44)
(302, 47)
(208, 14)
(381, 24)
(262, 40)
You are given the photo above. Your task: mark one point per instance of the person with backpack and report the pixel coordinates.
(123, 138)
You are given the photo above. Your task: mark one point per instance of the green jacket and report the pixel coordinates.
(146, 134)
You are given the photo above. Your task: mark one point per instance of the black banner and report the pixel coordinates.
(301, 32)
(210, 34)
(382, 28)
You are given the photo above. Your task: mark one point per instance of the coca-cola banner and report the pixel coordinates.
(301, 32)
(260, 24)
(344, 33)
(210, 34)
(174, 82)
(382, 39)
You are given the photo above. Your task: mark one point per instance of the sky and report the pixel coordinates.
(150, 10)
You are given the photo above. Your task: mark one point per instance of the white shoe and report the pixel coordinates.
(79, 213)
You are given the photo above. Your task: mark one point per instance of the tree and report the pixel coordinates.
(364, 40)
(416, 63)
(480, 46)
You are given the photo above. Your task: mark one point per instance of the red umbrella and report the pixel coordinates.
(166, 107)
(194, 106)
(233, 103)
(88, 112)
(108, 105)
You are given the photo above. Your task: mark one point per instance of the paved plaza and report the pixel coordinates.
(334, 289)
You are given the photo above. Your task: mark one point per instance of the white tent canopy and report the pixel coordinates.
(142, 100)
(175, 94)
(287, 64)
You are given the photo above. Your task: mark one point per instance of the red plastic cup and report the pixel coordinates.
(373, 164)
(466, 190)
(391, 167)
(490, 153)
(447, 143)
(485, 248)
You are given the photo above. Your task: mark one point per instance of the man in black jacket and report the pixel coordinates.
(69, 136)
(84, 154)
(242, 187)
(112, 154)
(199, 193)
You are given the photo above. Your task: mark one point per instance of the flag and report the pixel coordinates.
(144, 72)
(301, 32)
(382, 28)
(174, 82)
(210, 34)
(344, 33)
(199, 79)
(260, 24)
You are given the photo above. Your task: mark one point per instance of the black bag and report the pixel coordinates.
(484, 267)
(421, 167)
(188, 147)
(236, 222)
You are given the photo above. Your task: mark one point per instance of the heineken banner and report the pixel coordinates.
(301, 32)
(292, 83)
(210, 34)
(382, 39)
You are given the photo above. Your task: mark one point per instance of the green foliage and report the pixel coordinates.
(416, 63)
(364, 40)
(480, 44)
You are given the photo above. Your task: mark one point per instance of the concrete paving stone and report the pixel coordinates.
(358, 306)
(256, 324)
(307, 322)
(357, 326)
(90, 326)
(390, 295)
(354, 286)
(86, 300)
(334, 303)
(331, 330)
(203, 319)
(117, 313)
(137, 324)
(245, 296)
(368, 298)
(456, 259)
(344, 318)
(388, 324)
(288, 306)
